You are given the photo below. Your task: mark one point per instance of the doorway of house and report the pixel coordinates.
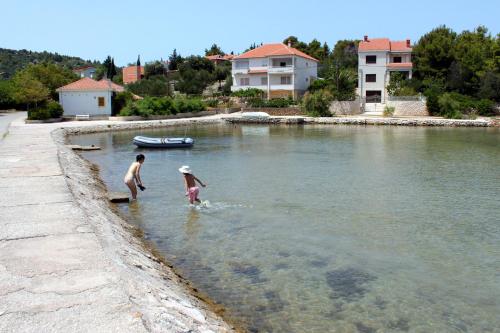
(373, 96)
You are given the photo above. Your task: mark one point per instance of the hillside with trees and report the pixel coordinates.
(13, 60)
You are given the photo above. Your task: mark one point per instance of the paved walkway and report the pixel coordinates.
(65, 269)
(6, 119)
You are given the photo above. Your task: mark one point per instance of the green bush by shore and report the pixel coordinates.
(48, 110)
(162, 106)
(457, 106)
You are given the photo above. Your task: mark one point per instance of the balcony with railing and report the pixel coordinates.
(281, 65)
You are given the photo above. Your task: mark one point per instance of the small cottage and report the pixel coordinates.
(88, 97)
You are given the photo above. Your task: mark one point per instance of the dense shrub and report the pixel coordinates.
(161, 106)
(450, 106)
(389, 111)
(54, 108)
(120, 100)
(213, 102)
(38, 114)
(50, 109)
(485, 107)
(317, 104)
(432, 96)
(250, 92)
(156, 86)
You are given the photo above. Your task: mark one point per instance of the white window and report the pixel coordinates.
(245, 81)
(263, 81)
(286, 80)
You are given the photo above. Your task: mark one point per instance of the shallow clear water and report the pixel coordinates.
(328, 229)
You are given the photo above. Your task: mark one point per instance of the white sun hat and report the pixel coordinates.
(185, 169)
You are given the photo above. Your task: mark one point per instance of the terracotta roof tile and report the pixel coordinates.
(400, 46)
(269, 50)
(87, 84)
(115, 87)
(383, 44)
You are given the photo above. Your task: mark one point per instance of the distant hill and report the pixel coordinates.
(12, 60)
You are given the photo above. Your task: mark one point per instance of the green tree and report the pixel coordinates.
(174, 60)
(214, 50)
(156, 86)
(345, 54)
(338, 81)
(473, 52)
(138, 63)
(52, 76)
(490, 86)
(433, 55)
(196, 73)
(399, 85)
(295, 43)
(317, 104)
(154, 68)
(6, 92)
(222, 72)
(28, 90)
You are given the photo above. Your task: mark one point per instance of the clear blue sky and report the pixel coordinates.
(93, 29)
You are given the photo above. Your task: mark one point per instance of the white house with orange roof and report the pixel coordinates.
(88, 97)
(377, 59)
(278, 69)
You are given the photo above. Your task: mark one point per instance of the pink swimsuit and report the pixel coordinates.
(193, 194)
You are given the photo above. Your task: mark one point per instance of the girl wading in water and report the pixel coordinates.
(133, 176)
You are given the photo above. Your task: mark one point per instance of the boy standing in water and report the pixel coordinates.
(133, 176)
(190, 182)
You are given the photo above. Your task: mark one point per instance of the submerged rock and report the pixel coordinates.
(348, 283)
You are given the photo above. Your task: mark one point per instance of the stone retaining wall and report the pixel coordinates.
(347, 108)
(172, 116)
(289, 111)
(367, 121)
(409, 108)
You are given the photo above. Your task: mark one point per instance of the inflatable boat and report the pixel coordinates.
(146, 142)
(254, 115)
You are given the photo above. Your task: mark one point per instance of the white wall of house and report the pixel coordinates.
(379, 69)
(301, 73)
(85, 102)
(305, 71)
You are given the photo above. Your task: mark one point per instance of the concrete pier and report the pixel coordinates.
(67, 263)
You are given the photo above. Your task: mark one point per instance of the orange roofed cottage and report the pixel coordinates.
(132, 74)
(88, 97)
(278, 69)
(378, 58)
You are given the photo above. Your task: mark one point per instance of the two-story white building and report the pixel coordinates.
(278, 69)
(378, 58)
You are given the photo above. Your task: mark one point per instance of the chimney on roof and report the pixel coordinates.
(289, 43)
(365, 38)
(408, 43)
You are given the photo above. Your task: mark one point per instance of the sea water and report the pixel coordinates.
(327, 228)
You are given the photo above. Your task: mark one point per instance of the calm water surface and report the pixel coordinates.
(328, 229)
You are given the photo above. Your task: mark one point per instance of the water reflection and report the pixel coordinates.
(192, 226)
